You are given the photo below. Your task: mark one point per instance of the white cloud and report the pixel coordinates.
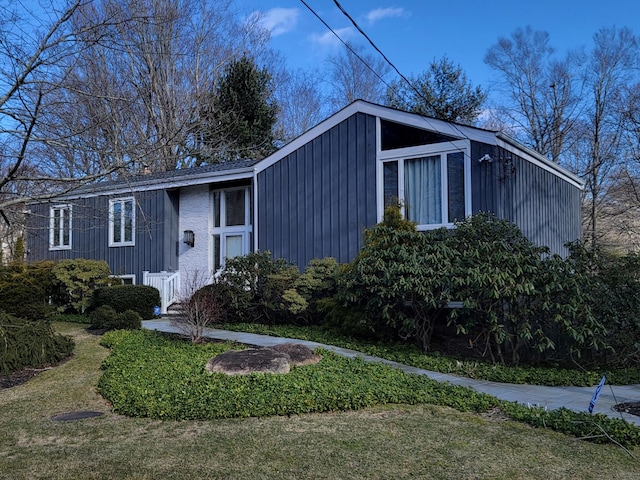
(279, 20)
(381, 13)
(328, 39)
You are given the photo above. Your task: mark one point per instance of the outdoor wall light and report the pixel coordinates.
(189, 238)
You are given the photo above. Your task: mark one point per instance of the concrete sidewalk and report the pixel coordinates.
(573, 398)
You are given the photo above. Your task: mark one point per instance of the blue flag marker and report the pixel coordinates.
(592, 403)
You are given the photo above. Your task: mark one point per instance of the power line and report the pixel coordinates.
(349, 47)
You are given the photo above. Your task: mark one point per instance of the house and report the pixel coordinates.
(310, 199)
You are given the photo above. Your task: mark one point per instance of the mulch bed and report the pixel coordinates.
(632, 408)
(18, 378)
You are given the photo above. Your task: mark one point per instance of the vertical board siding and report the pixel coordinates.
(327, 195)
(545, 207)
(155, 233)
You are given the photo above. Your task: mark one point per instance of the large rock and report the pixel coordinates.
(243, 362)
(299, 354)
(277, 359)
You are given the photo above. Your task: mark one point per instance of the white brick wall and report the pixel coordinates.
(195, 215)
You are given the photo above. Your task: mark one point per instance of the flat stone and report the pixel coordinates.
(243, 362)
(299, 354)
(66, 417)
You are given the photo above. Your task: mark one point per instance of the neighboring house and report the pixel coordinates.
(310, 199)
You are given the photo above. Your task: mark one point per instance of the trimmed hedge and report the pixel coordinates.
(139, 298)
(28, 344)
(150, 375)
(106, 317)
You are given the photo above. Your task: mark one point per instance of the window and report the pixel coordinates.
(60, 227)
(231, 234)
(121, 222)
(124, 279)
(432, 186)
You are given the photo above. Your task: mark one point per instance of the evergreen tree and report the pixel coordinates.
(443, 91)
(239, 119)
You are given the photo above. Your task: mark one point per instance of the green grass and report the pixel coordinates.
(390, 441)
(411, 355)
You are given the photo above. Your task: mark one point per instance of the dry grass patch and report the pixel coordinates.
(394, 441)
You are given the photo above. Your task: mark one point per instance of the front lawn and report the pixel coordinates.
(386, 441)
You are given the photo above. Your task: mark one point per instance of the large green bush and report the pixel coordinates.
(30, 344)
(139, 298)
(27, 289)
(612, 284)
(399, 281)
(77, 280)
(519, 302)
(257, 285)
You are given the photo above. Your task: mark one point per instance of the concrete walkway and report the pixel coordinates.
(573, 398)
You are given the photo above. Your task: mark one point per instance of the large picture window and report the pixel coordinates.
(121, 222)
(60, 227)
(430, 187)
(231, 234)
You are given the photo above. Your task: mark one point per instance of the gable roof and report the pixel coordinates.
(458, 131)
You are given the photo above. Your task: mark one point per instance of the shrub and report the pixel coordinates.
(140, 298)
(203, 306)
(25, 291)
(318, 282)
(29, 344)
(78, 279)
(257, 284)
(400, 279)
(612, 284)
(519, 302)
(105, 317)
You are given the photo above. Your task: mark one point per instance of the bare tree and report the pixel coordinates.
(203, 304)
(542, 93)
(143, 85)
(301, 101)
(356, 75)
(600, 152)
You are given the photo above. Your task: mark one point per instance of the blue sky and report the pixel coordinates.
(411, 33)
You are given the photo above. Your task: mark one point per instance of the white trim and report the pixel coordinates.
(538, 160)
(463, 132)
(122, 243)
(57, 230)
(132, 276)
(224, 231)
(402, 154)
(164, 184)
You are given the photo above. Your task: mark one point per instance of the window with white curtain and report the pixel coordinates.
(430, 187)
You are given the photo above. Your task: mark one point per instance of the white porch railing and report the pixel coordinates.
(167, 283)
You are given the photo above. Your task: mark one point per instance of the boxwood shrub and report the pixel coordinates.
(139, 298)
(30, 344)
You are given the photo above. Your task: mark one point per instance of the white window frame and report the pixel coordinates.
(122, 243)
(443, 149)
(131, 277)
(56, 232)
(225, 231)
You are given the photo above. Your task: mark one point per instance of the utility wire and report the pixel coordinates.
(406, 80)
(349, 47)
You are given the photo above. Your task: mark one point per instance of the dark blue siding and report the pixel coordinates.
(316, 201)
(545, 207)
(156, 233)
